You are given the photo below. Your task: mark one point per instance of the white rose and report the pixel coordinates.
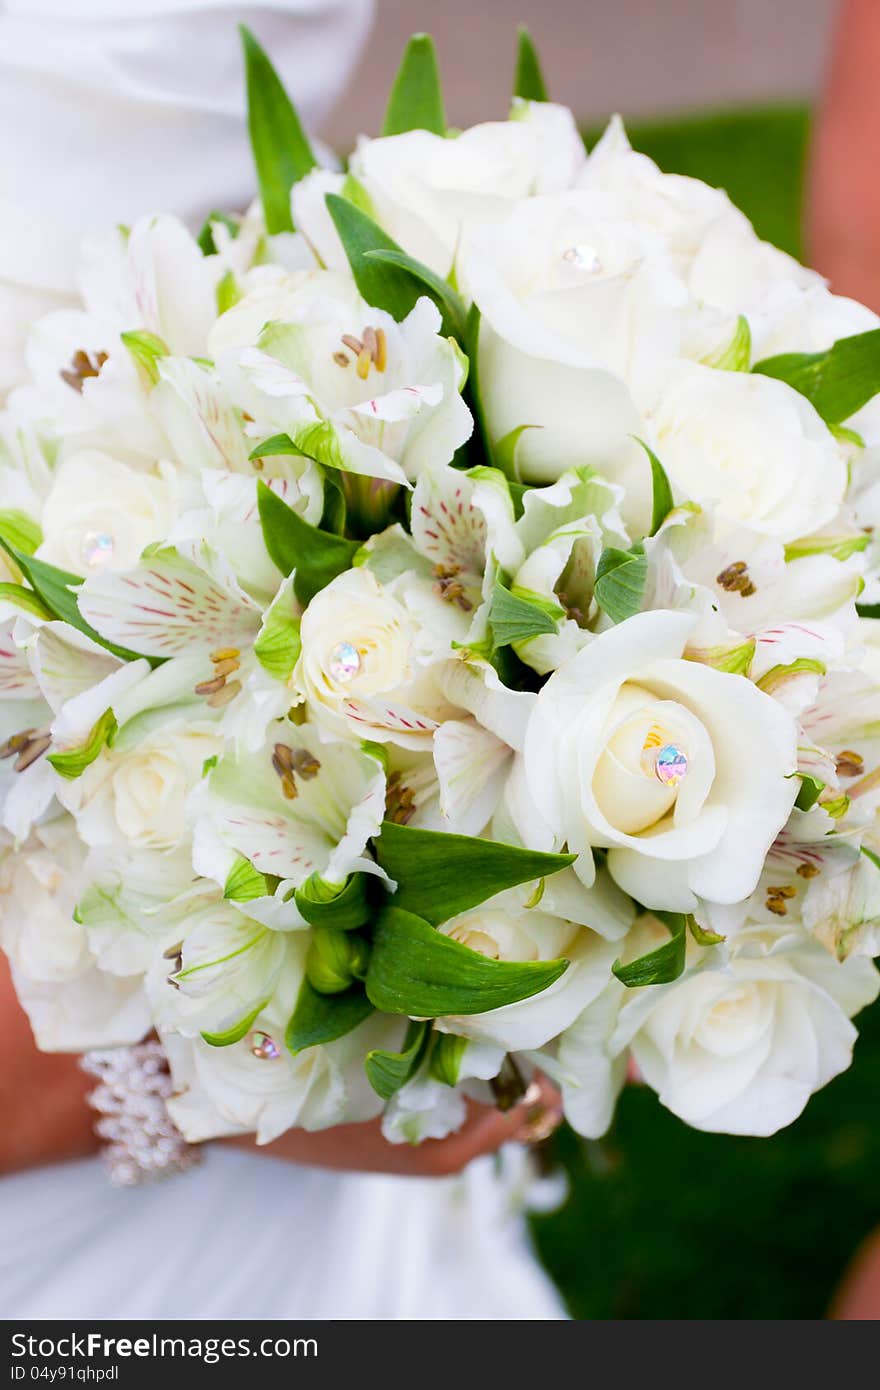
(136, 791)
(423, 188)
(503, 929)
(360, 668)
(750, 447)
(682, 772)
(580, 307)
(738, 1045)
(101, 514)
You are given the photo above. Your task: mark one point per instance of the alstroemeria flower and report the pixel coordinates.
(350, 386)
(299, 807)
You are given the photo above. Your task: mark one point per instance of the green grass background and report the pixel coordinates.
(664, 1222)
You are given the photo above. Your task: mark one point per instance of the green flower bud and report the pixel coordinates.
(335, 959)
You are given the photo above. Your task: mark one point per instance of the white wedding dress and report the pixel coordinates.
(108, 109)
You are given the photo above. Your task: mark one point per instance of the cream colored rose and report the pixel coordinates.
(101, 514)
(136, 791)
(750, 447)
(360, 668)
(683, 773)
(738, 1045)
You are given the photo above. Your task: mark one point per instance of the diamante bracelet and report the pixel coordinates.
(142, 1141)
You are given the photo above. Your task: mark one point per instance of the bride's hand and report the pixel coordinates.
(47, 1120)
(362, 1148)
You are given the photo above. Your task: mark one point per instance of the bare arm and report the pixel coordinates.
(844, 189)
(45, 1118)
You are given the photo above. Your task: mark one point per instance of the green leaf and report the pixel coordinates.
(448, 301)
(439, 875)
(388, 1071)
(868, 610)
(340, 905)
(322, 1018)
(528, 82)
(25, 599)
(54, 589)
(227, 292)
(282, 153)
(736, 356)
(244, 883)
(515, 617)
(810, 790)
(20, 531)
(662, 503)
(446, 1058)
(621, 576)
(237, 1031)
(385, 286)
(416, 101)
(837, 382)
(472, 393)
(73, 762)
(146, 350)
(205, 238)
(414, 969)
(663, 964)
(313, 556)
(505, 451)
(278, 642)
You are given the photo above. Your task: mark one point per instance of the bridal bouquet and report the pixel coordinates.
(439, 639)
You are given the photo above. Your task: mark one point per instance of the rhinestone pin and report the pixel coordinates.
(671, 765)
(264, 1046)
(345, 661)
(582, 257)
(97, 549)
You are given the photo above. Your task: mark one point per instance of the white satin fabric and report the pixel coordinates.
(251, 1237)
(109, 109)
(114, 108)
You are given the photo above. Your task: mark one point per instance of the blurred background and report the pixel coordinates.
(663, 1222)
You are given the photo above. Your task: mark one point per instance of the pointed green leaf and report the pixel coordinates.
(446, 1058)
(244, 883)
(448, 301)
(414, 969)
(837, 382)
(388, 1071)
(517, 616)
(237, 1031)
(146, 350)
(665, 963)
(54, 588)
(662, 503)
(295, 545)
(439, 875)
(278, 642)
(385, 286)
(528, 83)
(621, 576)
(20, 531)
(73, 762)
(205, 239)
(736, 355)
(340, 905)
(416, 101)
(322, 1018)
(25, 599)
(282, 153)
(227, 292)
